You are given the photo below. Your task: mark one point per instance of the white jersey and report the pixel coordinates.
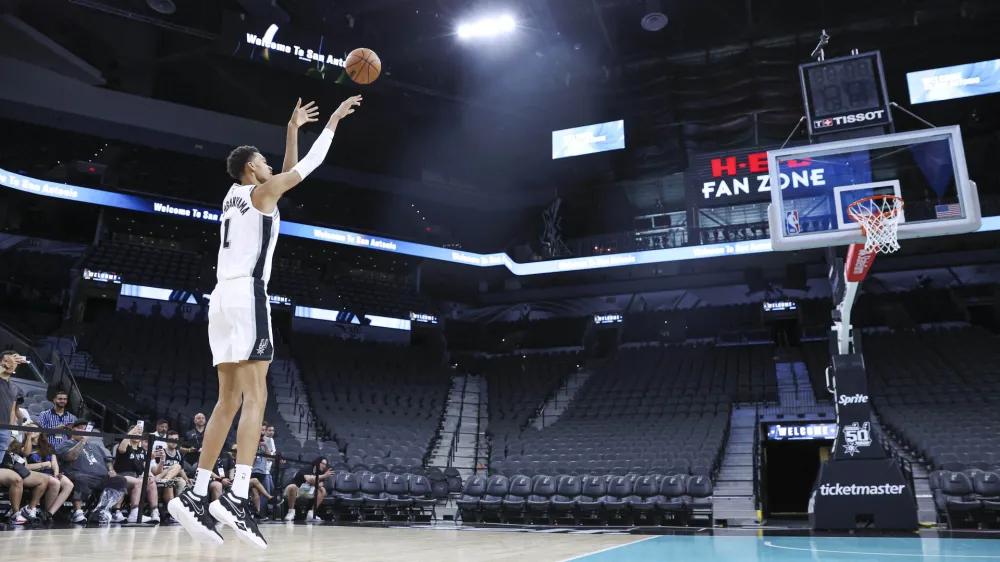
(248, 237)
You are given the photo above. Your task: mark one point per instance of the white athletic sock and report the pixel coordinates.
(202, 482)
(241, 483)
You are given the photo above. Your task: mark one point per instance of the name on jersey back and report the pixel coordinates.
(238, 202)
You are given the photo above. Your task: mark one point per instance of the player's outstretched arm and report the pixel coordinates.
(266, 196)
(301, 115)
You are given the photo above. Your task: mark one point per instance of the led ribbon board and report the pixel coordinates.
(323, 234)
(954, 82)
(589, 139)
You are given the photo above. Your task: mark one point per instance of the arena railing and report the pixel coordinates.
(757, 464)
(276, 470)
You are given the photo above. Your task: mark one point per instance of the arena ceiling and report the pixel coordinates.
(478, 115)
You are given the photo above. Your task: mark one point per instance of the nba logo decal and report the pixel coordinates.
(792, 222)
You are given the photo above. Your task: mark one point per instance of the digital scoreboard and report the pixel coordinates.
(845, 93)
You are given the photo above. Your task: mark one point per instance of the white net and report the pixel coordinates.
(879, 218)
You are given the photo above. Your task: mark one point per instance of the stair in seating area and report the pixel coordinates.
(292, 399)
(734, 499)
(441, 450)
(470, 430)
(926, 512)
(557, 404)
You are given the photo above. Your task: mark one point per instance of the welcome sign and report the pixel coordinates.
(284, 47)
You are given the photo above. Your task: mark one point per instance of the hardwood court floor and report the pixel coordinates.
(302, 542)
(359, 544)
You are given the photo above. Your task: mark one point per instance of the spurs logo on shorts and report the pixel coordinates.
(239, 315)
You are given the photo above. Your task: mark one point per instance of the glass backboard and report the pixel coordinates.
(818, 182)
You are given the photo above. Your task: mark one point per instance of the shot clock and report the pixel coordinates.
(845, 93)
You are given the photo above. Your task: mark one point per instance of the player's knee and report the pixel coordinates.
(255, 397)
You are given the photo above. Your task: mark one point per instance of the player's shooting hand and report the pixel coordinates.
(346, 108)
(304, 114)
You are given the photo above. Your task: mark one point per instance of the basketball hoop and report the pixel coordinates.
(879, 217)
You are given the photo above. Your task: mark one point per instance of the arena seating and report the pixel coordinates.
(938, 392)
(382, 403)
(166, 364)
(290, 279)
(967, 499)
(380, 295)
(38, 269)
(662, 410)
(153, 266)
(507, 337)
(629, 499)
(519, 385)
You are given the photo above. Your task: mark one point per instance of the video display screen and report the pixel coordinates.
(589, 139)
(283, 47)
(954, 82)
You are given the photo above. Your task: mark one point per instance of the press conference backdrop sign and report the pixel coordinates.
(588, 139)
(953, 82)
(283, 47)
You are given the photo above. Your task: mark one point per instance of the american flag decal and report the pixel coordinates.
(949, 211)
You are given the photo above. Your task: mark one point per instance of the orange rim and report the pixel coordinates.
(896, 208)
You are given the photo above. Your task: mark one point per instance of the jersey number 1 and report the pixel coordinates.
(225, 233)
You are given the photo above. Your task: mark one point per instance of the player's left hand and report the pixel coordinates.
(304, 114)
(347, 107)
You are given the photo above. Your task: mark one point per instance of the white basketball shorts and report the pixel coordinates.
(239, 322)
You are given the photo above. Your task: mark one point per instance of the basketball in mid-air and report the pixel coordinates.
(363, 66)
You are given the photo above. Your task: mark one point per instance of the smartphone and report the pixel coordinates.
(90, 427)
(139, 424)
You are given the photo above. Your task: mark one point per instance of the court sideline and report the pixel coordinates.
(483, 545)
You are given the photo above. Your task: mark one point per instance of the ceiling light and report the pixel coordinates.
(487, 27)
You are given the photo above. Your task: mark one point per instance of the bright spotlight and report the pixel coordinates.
(487, 27)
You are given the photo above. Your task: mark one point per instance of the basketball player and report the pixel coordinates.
(239, 323)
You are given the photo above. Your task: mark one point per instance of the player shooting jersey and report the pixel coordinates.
(248, 237)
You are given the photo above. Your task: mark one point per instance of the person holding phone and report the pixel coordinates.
(14, 460)
(84, 463)
(9, 362)
(130, 462)
(42, 459)
(58, 417)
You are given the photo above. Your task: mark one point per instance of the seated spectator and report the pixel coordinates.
(228, 467)
(308, 484)
(162, 427)
(57, 418)
(85, 464)
(172, 478)
(130, 462)
(222, 474)
(14, 461)
(194, 439)
(42, 459)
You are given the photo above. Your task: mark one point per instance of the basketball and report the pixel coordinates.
(363, 66)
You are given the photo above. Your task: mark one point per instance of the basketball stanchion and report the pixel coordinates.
(860, 485)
